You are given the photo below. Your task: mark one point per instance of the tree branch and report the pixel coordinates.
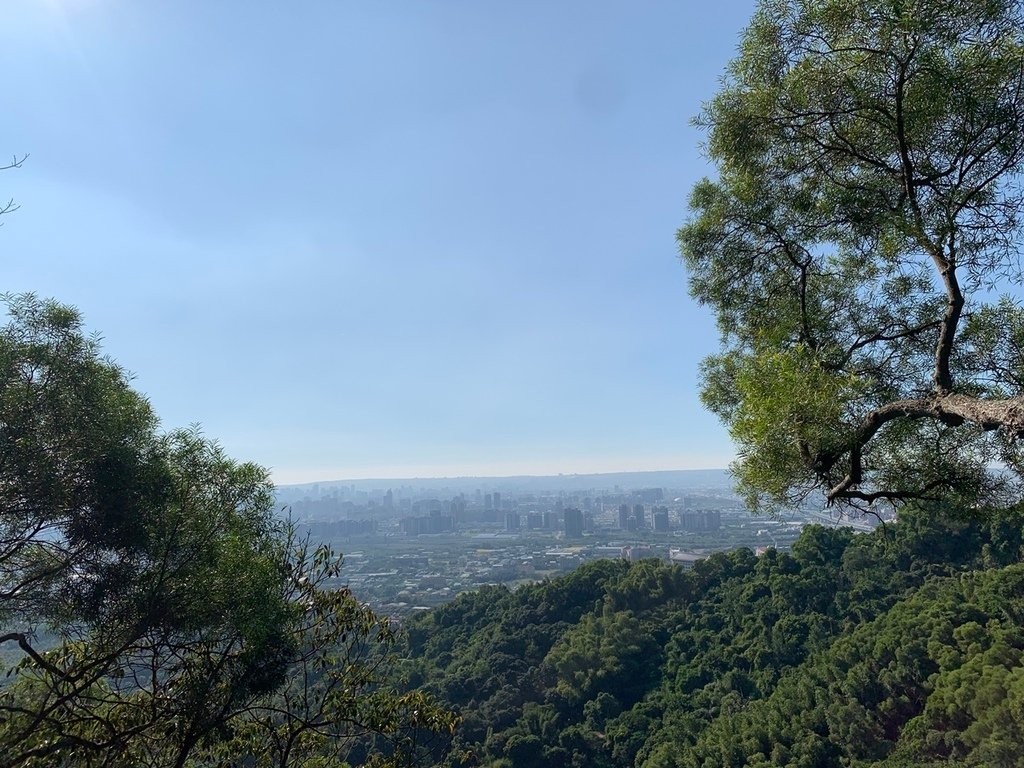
(952, 409)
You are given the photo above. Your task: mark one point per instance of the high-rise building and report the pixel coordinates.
(651, 495)
(435, 522)
(488, 501)
(458, 509)
(573, 523)
(661, 519)
(511, 521)
(497, 500)
(638, 513)
(427, 506)
(624, 516)
(700, 520)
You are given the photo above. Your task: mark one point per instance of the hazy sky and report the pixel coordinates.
(377, 239)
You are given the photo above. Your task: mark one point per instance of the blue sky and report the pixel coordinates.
(377, 239)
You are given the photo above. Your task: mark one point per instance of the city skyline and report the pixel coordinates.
(362, 240)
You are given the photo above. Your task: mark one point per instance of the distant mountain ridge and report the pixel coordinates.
(681, 479)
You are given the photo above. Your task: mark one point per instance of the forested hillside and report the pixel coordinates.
(900, 647)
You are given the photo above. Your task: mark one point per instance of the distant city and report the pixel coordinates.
(411, 544)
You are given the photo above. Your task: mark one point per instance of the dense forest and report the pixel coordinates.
(902, 647)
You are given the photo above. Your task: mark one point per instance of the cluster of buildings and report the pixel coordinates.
(571, 522)
(414, 513)
(551, 516)
(411, 548)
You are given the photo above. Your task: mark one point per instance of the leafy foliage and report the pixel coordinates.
(900, 647)
(163, 614)
(866, 207)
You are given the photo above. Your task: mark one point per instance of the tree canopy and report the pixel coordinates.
(899, 647)
(860, 246)
(154, 610)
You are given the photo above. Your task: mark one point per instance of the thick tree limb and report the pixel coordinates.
(952, 409)
(22, 640)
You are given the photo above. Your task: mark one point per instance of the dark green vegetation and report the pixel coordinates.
(162, 614)
(903, 647)
(860, 247)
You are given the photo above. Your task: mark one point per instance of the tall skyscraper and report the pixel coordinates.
(624, 516)
(573, 523)
(661, 519)
(458, 509)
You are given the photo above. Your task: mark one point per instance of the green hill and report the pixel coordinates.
(902, 647)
